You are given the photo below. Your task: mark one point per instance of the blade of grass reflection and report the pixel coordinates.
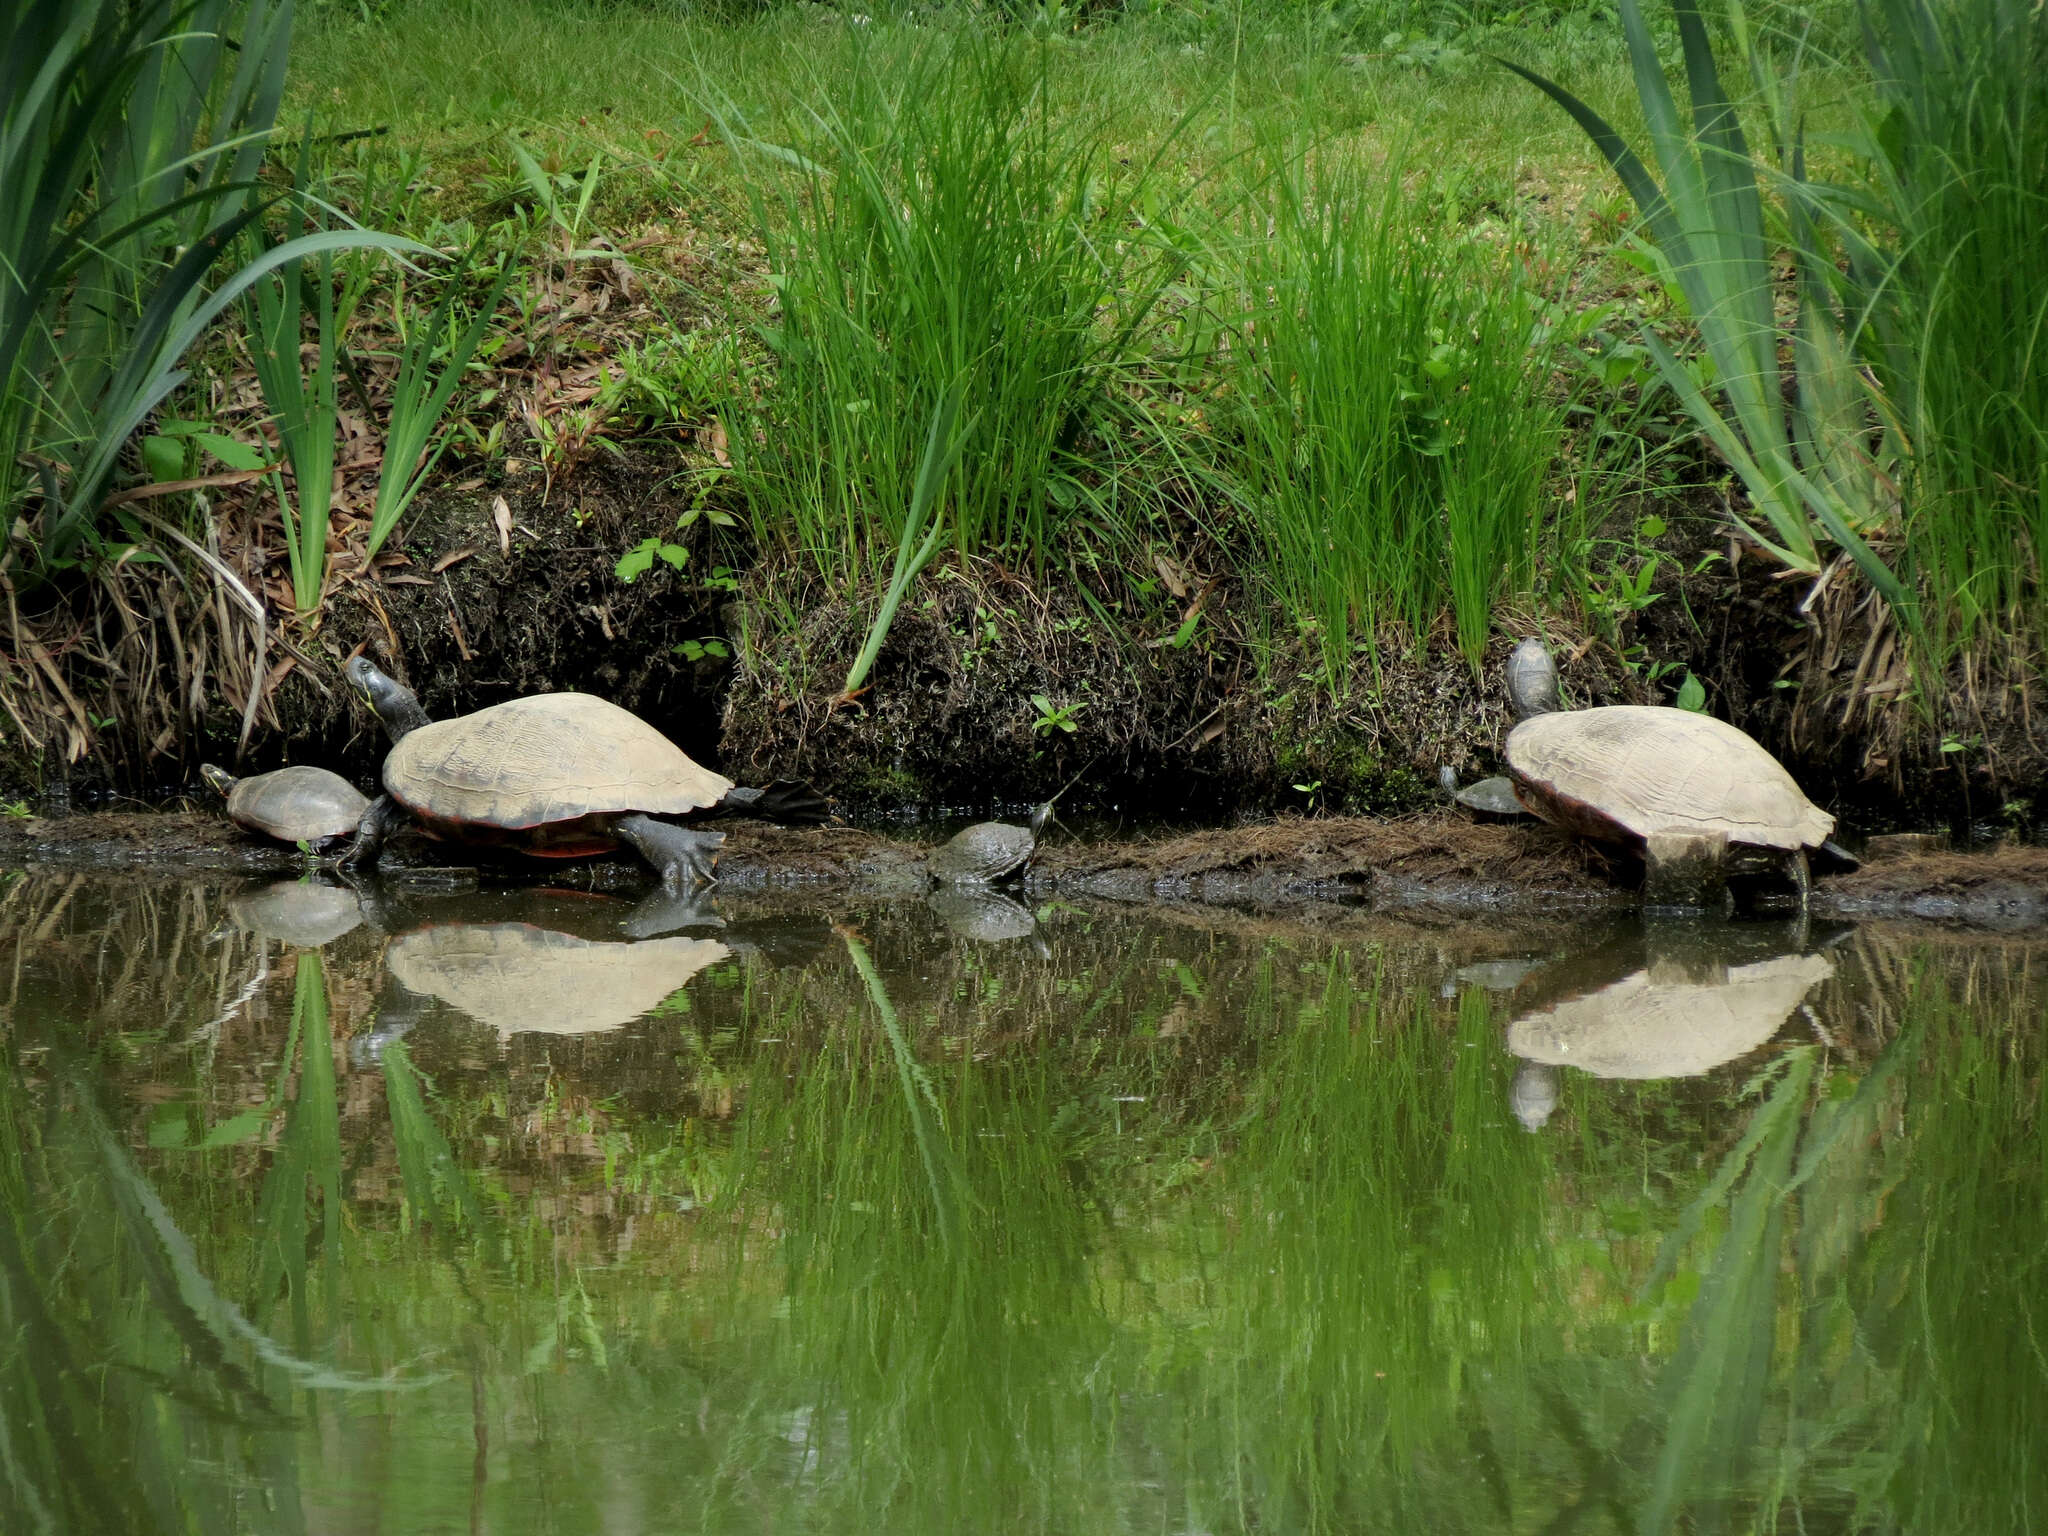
(206, 1321)
(1715, 1387)
(308, 1149)
(941, 1171)
(435, 1185)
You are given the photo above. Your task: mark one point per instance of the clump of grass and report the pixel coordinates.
(938, 226)
(1392, 428)
(1959, 180)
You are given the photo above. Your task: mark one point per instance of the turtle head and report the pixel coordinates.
(1041, 818)
(217, 777)
(396, 705)
(1532, 680)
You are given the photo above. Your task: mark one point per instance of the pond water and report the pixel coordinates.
(518, 1211)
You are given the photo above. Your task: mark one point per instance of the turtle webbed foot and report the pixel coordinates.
(684, 857)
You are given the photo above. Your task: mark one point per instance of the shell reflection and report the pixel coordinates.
(1676, 1009)
(520, 979)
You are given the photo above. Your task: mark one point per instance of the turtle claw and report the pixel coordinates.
(683, 856)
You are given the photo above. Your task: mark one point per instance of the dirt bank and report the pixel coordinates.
(1431, 861)
(1165, 692)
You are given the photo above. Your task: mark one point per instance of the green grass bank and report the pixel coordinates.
(943, 404)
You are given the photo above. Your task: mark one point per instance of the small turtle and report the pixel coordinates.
(988, 851)
(1494, 797)
(1653, 779)
(555, 775)
(293, 805)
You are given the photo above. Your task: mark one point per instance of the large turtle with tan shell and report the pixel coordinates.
(555, 775)
(1625, 773)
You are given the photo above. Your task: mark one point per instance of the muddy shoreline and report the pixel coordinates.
(745, 672)
(1416, 862)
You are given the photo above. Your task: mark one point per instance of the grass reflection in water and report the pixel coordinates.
(1133, 1227)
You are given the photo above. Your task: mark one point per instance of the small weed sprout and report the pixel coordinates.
(1053, 717)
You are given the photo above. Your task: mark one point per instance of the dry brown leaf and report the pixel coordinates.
(453, 557)
(407, 581)
(718, 442)
(501, 514)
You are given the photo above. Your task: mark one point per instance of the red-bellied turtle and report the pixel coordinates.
(988, 851)
(1678, 786)
(293, 805)
(555, 775)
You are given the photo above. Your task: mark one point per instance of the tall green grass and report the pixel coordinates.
(1390, 419)
(1804, 460)
(937, 227)
(1958, 181)
(130, 139)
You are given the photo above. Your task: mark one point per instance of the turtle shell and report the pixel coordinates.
(545, 772)
(1624, 771)
(298, 804)
(521, 979)
(986, 851)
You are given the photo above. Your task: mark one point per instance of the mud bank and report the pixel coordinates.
(1174, 695)
(1414, 862)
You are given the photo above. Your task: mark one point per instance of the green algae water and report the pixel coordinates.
(519, 1211)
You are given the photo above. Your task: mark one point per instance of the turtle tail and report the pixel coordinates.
(785, 800)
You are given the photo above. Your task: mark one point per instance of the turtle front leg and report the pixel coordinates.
(1685, 871)
(682, 856)
(371, 832)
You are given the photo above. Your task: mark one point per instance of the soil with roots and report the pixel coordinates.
(993, 689)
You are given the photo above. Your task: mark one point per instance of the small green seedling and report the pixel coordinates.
(1051, 718)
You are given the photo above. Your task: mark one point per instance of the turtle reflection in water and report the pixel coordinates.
(1678, 1010)
(985, 916)
(520, 979)
(297, 912)
(527, 961)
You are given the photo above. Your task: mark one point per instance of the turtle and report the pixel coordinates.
(554, 775)
(988, 851)
(1490, 798)
(1677, 786)
(294, 805)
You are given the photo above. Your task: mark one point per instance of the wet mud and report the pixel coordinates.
(1433, 861)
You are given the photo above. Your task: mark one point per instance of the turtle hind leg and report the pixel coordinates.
(682, 856)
